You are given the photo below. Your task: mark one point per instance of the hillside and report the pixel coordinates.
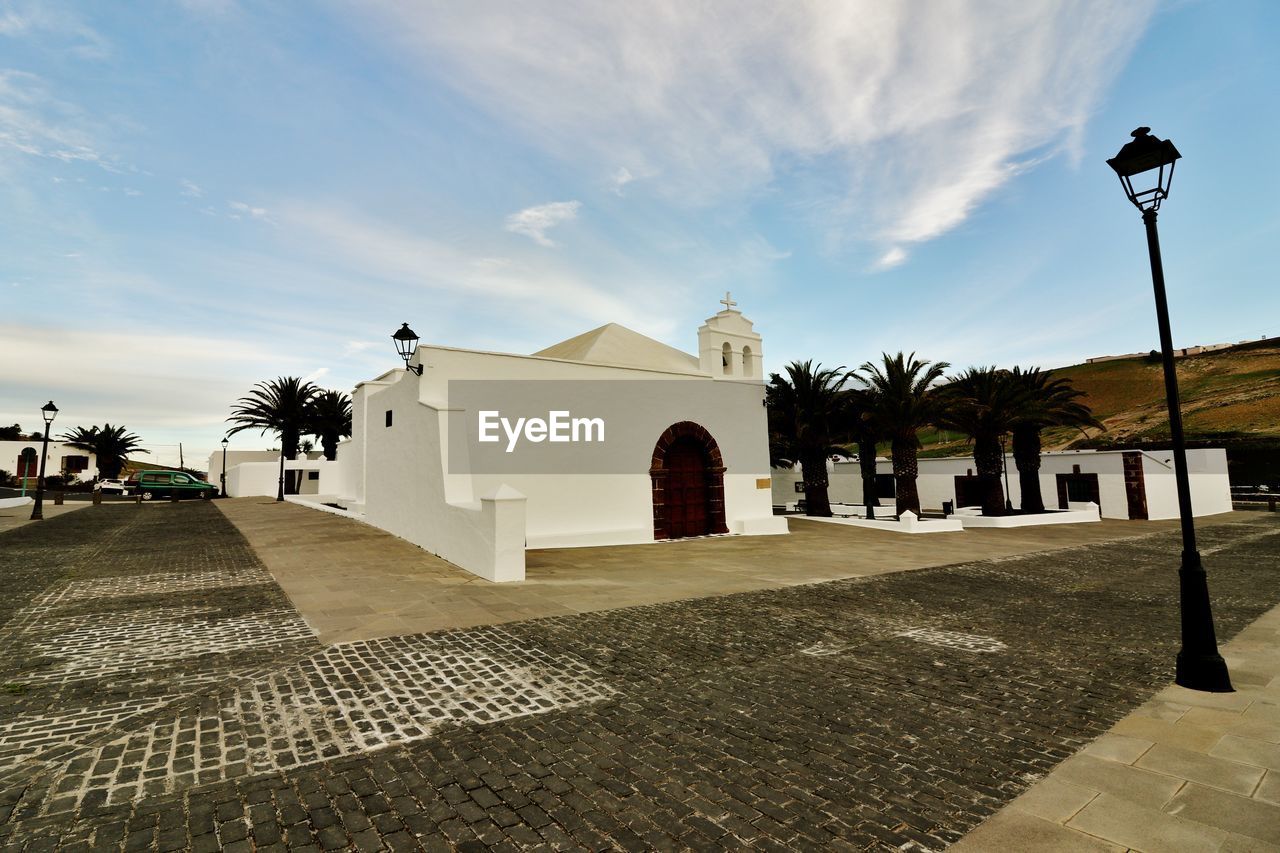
(1230, 397)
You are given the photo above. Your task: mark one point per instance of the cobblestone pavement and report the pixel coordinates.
(160, 693)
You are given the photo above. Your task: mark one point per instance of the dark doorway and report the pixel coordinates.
(886, 486)
(968, 491)
(688, 483)
(687, 492)
(1078, 488)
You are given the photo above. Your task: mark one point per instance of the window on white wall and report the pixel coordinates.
(388, 417)
(747, 367)
(726, 358)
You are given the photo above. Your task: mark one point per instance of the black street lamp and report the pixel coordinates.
(225, 442)
(280, 489)
(1200, 667)
(49, 412)
(406, 342)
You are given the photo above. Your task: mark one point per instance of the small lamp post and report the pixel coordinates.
(406, 342)
(1145, 168)
(49, 411)
(280, 489)
(225, 442)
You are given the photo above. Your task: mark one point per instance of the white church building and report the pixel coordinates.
(606, 438)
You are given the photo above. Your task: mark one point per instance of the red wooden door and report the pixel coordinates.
(687, 490)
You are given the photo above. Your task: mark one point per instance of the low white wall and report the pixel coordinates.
(1207, 472)
(408, 494)
(10, 503)
(1210, 486)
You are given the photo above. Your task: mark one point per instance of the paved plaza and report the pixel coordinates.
(162, 691)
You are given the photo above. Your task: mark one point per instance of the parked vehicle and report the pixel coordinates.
(112, 487)
(163, 484)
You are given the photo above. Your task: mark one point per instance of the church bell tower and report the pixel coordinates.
(728, 346)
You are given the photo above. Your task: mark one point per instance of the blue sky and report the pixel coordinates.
(198, 195)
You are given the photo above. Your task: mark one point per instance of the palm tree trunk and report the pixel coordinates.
(905, 471)
(988, 458)
(813, 467)
(867, 466)
(1026, 454)
(330, 444)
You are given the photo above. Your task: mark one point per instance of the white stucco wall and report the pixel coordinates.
(1207, 472)
(407, 493)
(1210, 487)
(10, 450)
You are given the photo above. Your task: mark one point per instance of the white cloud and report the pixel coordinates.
(620, 179)
(535, 221)
(242, 209)
(316, 375)
(892, 258)
(378, 251)
(191, 190)
(35, 123)
(921, 110)
(130, 191)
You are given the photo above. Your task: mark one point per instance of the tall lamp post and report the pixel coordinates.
(1200, 667)
(223, 481)
(49, 412)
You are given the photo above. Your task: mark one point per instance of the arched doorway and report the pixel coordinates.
(687, 473)
(28, 466)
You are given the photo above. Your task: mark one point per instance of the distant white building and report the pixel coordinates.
(607, 438)
(1132, 484)
(22, 459)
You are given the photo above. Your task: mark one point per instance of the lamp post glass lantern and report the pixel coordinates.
(406, 343)
(225, 442)
(1145, 168)
(48, 411)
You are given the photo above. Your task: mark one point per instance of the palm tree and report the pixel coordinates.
(865, 431)
(111, 445)
(905, 401)
(330, 420)
(984, 403)
(805, 416)
(280, 406)
(1047, 402)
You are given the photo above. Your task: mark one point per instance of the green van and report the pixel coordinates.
(163, 484)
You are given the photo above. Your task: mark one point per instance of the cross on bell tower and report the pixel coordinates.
(727, 302)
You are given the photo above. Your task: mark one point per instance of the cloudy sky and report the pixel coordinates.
(198, 195)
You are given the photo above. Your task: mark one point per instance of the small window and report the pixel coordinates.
(313, 475)
(726, 358)
(388, 417)
(181, 478)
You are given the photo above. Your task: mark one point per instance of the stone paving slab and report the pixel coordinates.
(892, 711)
(351, 581)
(1185, 771)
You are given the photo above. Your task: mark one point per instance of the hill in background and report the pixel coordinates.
(1230, 398)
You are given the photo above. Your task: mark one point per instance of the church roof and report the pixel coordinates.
(614, 344)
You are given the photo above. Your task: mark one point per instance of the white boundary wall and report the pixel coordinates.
(1207, 469)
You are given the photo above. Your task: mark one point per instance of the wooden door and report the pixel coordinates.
(1135, 487)
(687, 493)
